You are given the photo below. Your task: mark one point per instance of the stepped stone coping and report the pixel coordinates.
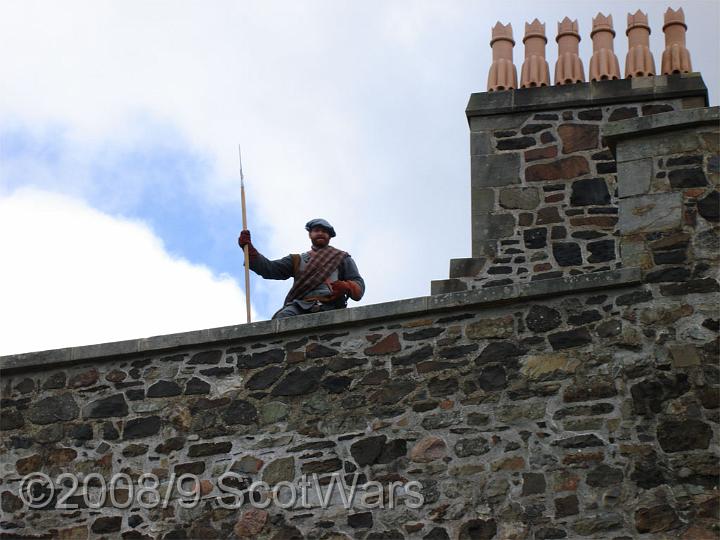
(421, 306)
(613, 132)
(590, 94)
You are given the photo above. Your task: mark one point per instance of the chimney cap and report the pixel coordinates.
(534, 29)
(602, 23)
(637, 20)
(672, 16)
(566, 27)
(502, 32)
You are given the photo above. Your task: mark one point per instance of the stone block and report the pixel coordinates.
(520, 198)
(480, 143)
(482, 201)
(468, 267)
(684, 356)
(443, 286)
(493, 226)
(634, 177)
(494, 170)
(654, 212)
(497, 121)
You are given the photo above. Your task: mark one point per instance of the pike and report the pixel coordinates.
(245, 248)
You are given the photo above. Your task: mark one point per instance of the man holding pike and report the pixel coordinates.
(324, 277)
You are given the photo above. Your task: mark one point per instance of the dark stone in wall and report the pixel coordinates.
(423, 353)
(315, 350)
(367, 451)
(535, 238)
(694, 286)
(635, 297)
(567, 253)
(591, 191)
(299, 382)
(529, 129)
(256, 360)
(585, 317)
(109, 407)
(668, 275)
(684, 160)
(572, 338)
(621, 113)
(503, 351)
(164, 389)
(197, 386)
(682, 435)
(533, 483)
(141, 427)
(478, 529)
(604, 476)
(518, 143)
(542, 318)
(590, 390)
(656, 519)
(362, 520)
(265, 378)
(709, 206)
(425, 333)
(206, 357)
(336, 384)
(11, 419)
(591, 114)
(647, 110)
(240, 412)
(687, 178)
(580, 441)
(437, 533)
(601, 251)
(104, 525)
(492, 377)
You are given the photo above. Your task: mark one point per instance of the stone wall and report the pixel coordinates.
(584, 407)
(543, 184)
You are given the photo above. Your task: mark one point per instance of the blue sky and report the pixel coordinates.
(119, 125)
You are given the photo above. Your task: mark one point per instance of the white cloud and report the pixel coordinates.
(72, 276)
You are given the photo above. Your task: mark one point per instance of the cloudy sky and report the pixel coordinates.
(119, 126)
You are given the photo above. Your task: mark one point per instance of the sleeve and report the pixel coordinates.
(349, 272)
(278, 269)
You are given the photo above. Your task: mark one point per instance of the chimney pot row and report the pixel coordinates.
(603, 63)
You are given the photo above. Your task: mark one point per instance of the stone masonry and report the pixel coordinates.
(543, 184)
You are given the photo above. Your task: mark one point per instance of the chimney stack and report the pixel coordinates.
(639, 61)
(603, 63)
(676, 57)
(535, 70)
(569, 67)
(503, 75)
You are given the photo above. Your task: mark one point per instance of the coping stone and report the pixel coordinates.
(236, 334)
(615, 132)
(590, 94)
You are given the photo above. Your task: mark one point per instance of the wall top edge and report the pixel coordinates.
(309, 323)
(614, 132)
(589, 94)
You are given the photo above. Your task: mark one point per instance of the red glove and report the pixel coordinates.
(345, 288)
(244, 240)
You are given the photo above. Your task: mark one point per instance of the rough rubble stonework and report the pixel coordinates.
(582, 405)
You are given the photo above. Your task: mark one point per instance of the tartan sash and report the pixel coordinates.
(322, 263)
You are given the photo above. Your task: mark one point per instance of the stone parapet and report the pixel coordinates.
(273, 329)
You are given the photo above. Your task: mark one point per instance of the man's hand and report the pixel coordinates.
(244, 240)
(345, 288)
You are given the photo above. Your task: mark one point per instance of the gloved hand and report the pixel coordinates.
(244, 240)
(340, 288)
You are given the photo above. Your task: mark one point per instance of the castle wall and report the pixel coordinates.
(577, 407)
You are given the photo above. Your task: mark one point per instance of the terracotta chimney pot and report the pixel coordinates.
(535, 70)
(639, 61)
(603, 63)
(676, 57)
(503, 75)
(569, 68)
